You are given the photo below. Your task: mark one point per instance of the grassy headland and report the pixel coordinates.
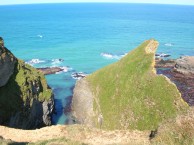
(130, 95)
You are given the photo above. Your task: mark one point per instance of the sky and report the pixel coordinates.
(180, 2)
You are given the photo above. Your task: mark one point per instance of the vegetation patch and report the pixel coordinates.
(179, 131)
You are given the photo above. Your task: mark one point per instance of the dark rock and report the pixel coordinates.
(153, 134)
(1, 42)
(162, 55)
(50, 70)
(78, 75)
(61, 60)
(160, 63)
(48, 109)
(180, 72)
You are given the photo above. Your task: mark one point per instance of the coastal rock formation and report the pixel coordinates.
(50, 70)
(128, 94)
(26, 101)
(180, 72)
(185, 65)
(160, 63)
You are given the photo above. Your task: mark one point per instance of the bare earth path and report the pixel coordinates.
(77, 133)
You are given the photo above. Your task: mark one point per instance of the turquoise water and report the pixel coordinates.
(90, 36)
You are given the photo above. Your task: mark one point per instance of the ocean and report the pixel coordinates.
(84, 37)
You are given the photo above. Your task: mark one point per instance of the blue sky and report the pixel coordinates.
(184, 2)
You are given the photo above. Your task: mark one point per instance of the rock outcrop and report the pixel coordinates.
(82, 103)
(7, 63)
(181, 72)
(127, 94)
(26, 101)
(50, 70)
(161, 63)
(185, 65)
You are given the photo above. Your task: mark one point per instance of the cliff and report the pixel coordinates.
(26, 101)
(127, 94)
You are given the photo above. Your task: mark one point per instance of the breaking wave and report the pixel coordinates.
(35, 61)
(56, 61)
(46, 63)
(168, 44)
(111, 56)
(40, 36)
(78, 75)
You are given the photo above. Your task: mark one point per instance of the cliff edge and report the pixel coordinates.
(26, 101)
(127, 94)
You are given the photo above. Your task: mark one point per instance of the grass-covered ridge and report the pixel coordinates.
(130, 95)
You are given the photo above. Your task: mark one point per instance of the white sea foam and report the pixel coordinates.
(111, 56)
(65, 69)
(168, 44)
(56, 62)
(60, 72)
(40, 36)
(35, 61)
(124, 54)
(78, 75)
(162, 55)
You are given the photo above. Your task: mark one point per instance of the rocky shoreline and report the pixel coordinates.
(50, 70)
(180, 72)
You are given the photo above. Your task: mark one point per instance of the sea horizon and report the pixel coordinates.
(97, 3)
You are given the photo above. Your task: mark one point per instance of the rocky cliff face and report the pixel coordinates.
(7, 64)
(26, 101)
(82, 103)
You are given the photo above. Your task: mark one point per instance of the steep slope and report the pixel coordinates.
(128, 94)
(26, 101)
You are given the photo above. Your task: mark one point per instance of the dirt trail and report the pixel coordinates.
(77, 133)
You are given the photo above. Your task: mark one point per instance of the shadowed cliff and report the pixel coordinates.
(26, 101)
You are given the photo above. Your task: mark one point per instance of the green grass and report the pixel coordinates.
(132, 96)
(29, 74)
(179, 131)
